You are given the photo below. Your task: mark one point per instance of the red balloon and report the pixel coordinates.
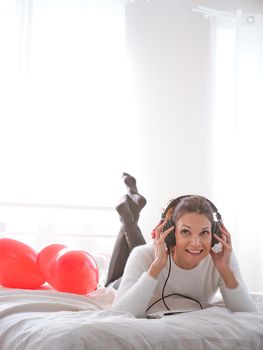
(46, 258)
(18, 267)
(74, 271)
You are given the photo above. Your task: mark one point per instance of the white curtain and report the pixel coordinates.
(237, 51)
(68, 128)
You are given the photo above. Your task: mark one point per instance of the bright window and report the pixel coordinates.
(68, 128)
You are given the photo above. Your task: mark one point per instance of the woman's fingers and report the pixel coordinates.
(225, 234)
(154, 230)
(166, 232)
(159, 228)
(160, 234)
(160, 246)
(225, 241)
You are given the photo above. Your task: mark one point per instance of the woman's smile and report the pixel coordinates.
(194, 252)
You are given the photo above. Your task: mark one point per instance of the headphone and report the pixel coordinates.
(170, 240)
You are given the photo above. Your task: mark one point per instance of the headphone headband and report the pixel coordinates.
(177, 200)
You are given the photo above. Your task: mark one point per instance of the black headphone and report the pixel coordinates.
(170, 240)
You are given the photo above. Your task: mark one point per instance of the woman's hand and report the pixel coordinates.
(221, 259)
(160, 249)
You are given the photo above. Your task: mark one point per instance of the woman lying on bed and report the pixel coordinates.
(182, 261)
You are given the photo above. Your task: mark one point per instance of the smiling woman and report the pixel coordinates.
(189, 268)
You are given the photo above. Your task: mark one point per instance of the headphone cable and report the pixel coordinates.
(168, 275)
(166, 296)
(180, 295)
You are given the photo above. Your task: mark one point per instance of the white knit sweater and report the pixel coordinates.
(138, 290)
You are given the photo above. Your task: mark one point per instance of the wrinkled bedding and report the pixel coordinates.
(47, 319)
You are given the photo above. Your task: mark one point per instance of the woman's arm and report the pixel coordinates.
(238, 297)
(139, 278)
(233, 289)
(137, 286)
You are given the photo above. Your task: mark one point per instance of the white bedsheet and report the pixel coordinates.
(50, 320)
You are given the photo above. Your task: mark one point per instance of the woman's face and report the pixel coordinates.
(193, 240)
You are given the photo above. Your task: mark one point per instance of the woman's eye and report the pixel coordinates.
(185, 232)
(205, 233)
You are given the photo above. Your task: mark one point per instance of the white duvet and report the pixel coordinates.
(50, 320)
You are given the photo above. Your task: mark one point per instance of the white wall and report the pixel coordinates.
(168, 45)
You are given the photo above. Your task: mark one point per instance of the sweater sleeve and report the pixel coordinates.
(137, 286)
(237, 299)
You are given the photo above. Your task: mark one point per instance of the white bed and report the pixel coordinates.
(47, 319)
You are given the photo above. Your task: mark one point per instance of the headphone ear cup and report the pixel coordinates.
(215, 230)
(170, 239)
